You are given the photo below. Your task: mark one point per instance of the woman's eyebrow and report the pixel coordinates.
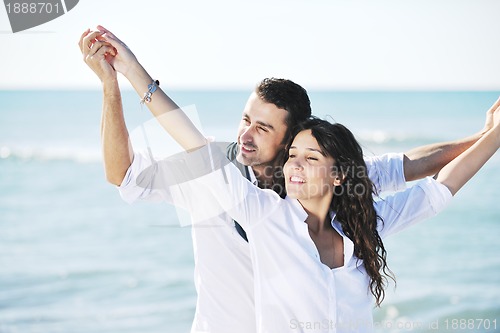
(310, 149)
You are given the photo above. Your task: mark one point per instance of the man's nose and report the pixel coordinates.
(247, 134)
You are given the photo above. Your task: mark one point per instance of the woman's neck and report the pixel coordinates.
(318, 210)
(328, 242)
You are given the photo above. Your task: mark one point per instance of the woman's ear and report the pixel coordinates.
(338, 180)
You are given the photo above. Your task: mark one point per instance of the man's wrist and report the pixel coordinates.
(110, 86)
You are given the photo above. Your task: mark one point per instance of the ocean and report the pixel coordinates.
(75, 258)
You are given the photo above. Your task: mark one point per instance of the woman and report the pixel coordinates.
(322, 274)
(317, 254)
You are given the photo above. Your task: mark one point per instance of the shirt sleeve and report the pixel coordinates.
(417, 203)
(131, 191)
(221, 189)
(386, 172)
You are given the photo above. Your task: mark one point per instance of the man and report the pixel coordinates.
(223, 268)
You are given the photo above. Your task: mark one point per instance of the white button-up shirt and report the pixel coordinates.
(224, 276)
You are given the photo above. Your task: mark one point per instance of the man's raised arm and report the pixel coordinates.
(116, 146)
(428, 160)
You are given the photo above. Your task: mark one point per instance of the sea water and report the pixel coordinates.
(75, 258)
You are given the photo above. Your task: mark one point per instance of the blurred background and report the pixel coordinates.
(75, 258)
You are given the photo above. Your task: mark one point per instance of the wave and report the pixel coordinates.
(399, 139)
(45, 154)
(165, 146)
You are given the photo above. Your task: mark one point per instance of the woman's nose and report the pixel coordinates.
(297, 164)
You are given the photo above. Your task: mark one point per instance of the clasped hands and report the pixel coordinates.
(105, 53)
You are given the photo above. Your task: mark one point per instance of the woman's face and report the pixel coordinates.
(308, 172)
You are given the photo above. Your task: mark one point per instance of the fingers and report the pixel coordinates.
(80, 42)
(88, 40)
(109, 36)
(103, 51)
(103, 29)
(496, 105)
(118, 44)
(98, 47)
(108, 33)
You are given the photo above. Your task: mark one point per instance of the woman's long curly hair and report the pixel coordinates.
(353, 200)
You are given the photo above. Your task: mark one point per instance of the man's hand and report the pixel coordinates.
(123, 59)
(456, 173)
(428, 160)
(97, 54)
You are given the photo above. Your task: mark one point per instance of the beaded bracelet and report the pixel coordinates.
(151, 89)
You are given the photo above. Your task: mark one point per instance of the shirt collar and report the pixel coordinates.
(253, 178)
(333, 215)
(348, 244)
(297, 207)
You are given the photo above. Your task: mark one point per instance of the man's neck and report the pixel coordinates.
(264, 175)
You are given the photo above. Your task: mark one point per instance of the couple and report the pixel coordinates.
(315, 259)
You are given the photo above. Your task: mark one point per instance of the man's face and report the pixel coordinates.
(261, 132)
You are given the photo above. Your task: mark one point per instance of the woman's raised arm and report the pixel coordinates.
(455, 174)
(168, 113)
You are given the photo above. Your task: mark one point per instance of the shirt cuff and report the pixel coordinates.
(438, 195)
(128, 189)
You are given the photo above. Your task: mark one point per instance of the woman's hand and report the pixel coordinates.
(123, 60)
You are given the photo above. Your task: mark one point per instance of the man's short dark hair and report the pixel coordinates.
(287, 95)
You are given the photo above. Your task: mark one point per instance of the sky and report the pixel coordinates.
(233, 44)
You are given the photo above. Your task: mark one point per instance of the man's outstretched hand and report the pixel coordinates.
(98, 54)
